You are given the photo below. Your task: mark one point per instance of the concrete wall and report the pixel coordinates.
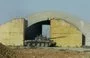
(12, 32)
(65, 34)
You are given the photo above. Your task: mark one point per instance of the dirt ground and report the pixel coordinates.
(6, 52)
(50, 53)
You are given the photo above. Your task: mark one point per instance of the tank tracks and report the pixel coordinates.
(39, 43)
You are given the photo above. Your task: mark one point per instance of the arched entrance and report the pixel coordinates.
(35, 30)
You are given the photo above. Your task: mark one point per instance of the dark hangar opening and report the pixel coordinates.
(34, 30)
(83, 40)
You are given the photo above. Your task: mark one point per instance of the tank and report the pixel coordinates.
(40, 41)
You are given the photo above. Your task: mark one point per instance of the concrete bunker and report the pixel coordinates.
(36, 29)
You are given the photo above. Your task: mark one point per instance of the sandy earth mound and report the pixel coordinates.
(6, 52)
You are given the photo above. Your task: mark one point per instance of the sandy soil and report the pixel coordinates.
(50, 53)
(6, 52)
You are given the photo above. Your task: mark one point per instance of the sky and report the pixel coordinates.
(22, 8)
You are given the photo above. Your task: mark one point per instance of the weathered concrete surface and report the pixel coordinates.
(65, 34)
(12, 32)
